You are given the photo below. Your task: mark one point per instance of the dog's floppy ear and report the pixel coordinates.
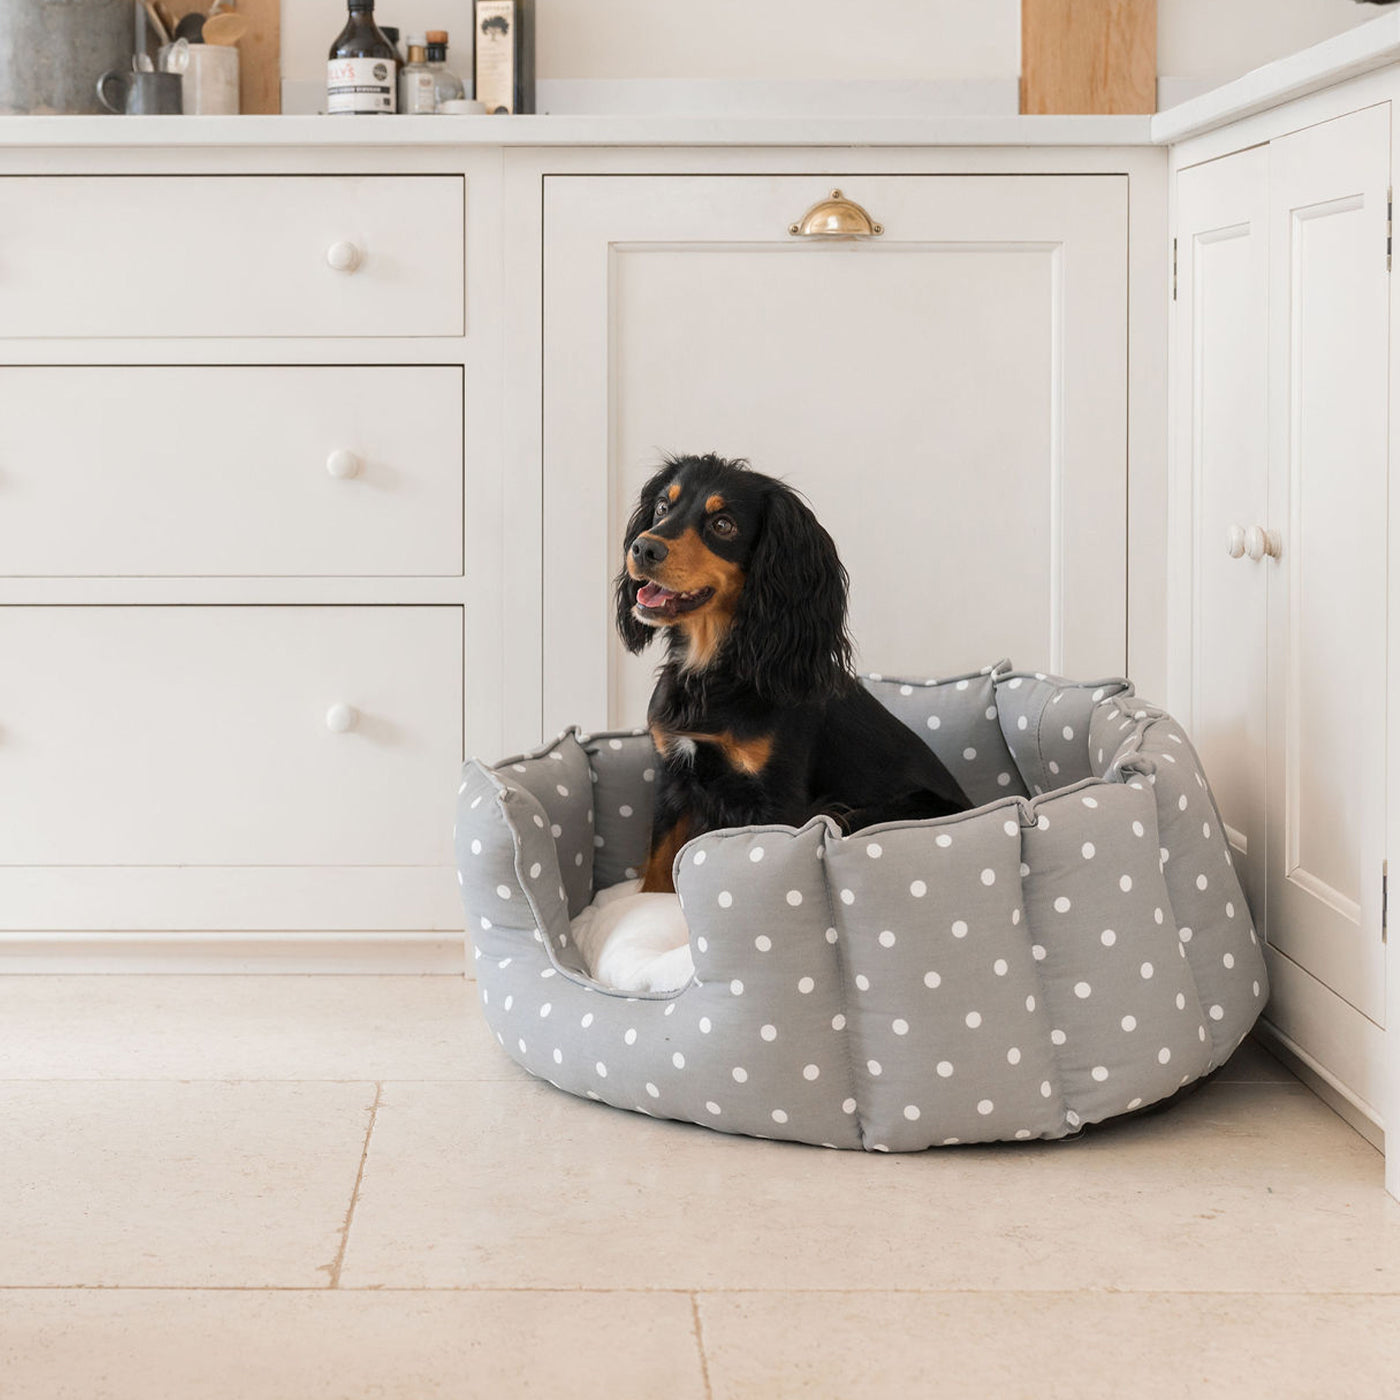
(790, 630)
(635, 635)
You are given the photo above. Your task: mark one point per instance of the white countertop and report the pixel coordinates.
(1361, 50)
(572, 131)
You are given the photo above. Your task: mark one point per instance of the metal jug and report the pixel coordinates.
(52, 51)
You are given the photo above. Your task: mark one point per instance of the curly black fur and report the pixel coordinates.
(757, 712)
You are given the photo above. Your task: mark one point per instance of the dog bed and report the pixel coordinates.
(1075, 948)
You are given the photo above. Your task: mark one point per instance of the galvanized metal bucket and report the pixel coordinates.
(52, 52)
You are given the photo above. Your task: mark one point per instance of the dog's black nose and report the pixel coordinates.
(648, 551)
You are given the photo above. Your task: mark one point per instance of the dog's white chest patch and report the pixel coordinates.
(683, 748)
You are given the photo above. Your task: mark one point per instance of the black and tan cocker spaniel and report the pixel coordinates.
(757, 715)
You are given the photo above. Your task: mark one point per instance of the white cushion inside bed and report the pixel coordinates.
(635, 942)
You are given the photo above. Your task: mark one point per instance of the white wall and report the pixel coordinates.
(778, 38)
(829, 39)
(1223, 38)
(713, 38)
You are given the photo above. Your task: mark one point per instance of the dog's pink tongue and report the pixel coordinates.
(652, 595)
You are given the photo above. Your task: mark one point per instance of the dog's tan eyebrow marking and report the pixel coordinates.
(716, 502)
(673, 492)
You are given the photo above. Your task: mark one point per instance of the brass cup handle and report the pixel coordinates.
(836, 217)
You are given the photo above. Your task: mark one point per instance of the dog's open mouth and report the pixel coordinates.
(665, 602)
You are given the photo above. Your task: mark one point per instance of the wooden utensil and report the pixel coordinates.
(227, 28)
(259, 51)
(156, 22)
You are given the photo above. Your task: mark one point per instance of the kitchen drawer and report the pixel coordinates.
(193, 255)
(167, 470)
(200, 736)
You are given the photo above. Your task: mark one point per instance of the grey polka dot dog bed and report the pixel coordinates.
(1075, 948)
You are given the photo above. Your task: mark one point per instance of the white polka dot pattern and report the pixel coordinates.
(1223, 955)
(554, 783)
(619, 760)
(1092, 969)
(1046, 721)
(954, 957)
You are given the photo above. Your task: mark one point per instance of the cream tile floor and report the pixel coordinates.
(296, 1187)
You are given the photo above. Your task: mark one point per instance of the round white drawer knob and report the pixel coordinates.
(344, 256)
(1258, 542)
(342, 464)
(340, 718)
(1234, 541)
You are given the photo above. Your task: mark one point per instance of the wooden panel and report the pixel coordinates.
(197, 736)
(1222, 447)
(137, 256)
(1327, 590)
(951, 397)
(234, 480)
(267, 901)
(1088, 56)
(1342, 1044)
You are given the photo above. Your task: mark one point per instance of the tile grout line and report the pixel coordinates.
(714, 1290)
(700, 1344)
(338, 1263)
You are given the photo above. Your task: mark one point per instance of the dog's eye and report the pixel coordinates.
(724, 527)
(661, 508)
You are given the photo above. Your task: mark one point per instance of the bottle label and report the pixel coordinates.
(418, 93)
(497, 59)
(360, 85)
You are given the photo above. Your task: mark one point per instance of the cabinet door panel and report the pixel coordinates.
(951, 396)
(1221, 447)
(1327, 492)
(89, 488)
(205, 255)
(201, 736)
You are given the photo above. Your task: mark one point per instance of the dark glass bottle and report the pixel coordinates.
(361, 67)
(393, 36)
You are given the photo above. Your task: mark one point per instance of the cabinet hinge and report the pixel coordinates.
(1389, 221)
(1385, 898)
(1174, 267)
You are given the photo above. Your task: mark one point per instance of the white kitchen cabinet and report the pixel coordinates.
(240, 579)
(1281, 424)
(1328, 468)
(154, 256)
(950, 394)
(270, 406)
(223, 742)
(230, 470)
(1222, 468)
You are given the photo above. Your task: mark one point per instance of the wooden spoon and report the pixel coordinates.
(166, 18)
(224, 29)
